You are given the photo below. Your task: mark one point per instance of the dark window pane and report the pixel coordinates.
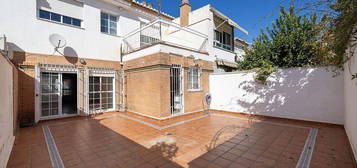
(67, 20)
(110, 105)
(113, 18)
(113, 31)
(96, 87)
(44, 14)
(54, 111)
(45, 112)
(76, 22)
(104, 80)
(56, 17)
(103, 15)
(45, 98)
(110, 100)
(104, 29)
(104, 106)
(110, 87)
(96, 80)
(45, 105)
(104, 87)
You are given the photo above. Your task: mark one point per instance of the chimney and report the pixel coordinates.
(185, 9)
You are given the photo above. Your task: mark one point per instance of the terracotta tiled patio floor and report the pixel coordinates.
(218, 140)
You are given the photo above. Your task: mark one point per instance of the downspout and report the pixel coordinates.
(122, 81)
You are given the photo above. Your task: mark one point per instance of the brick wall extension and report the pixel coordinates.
(148, 84)
(26, 77)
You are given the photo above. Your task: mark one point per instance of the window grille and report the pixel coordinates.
(176, 92)
(194, 78)
(101, 94)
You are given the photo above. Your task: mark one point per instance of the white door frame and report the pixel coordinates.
(38, 108)
(112, 75)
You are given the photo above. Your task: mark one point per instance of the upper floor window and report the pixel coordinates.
(222, 40)
(108, 23)
(218, 40)
(59, 18)
(194, 75)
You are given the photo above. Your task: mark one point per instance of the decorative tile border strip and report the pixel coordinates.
(55, 157)
(262, 121)
(306, 155)
(134, 119)
(163, 127)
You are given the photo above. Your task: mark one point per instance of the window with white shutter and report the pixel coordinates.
(194, 78)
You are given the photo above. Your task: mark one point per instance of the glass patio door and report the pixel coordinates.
(50, 94)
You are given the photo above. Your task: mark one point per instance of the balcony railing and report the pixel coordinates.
(221, 45)
(164, 32)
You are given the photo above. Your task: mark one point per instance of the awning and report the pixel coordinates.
(230, 22)
(223, 62)
(58, 68)
(101, 71)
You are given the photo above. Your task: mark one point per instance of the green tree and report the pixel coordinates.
(342, 31)
(291, 41)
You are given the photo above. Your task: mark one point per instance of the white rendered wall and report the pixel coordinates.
(7, 136)
(299, 93)
(27, 33)
(351, 102)
(203, 17)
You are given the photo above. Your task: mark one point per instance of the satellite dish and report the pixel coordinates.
(57, 41)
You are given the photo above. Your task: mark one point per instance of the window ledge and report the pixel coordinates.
(194, 90)
(60, 23)
(110, 34)
(224, 49)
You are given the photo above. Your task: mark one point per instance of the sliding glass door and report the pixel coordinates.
(101, 94)
(58, 94)
(50, 93)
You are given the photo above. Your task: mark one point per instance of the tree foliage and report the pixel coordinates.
(341, 35)
(291, 41)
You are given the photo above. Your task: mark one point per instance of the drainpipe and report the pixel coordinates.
(122, 81)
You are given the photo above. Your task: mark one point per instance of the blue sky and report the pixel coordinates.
(252, 15)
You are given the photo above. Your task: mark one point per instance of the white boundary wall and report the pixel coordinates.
(7, 136)
(351, 102)
(311, 94)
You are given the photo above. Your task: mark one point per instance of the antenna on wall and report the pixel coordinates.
(57, 42)
(159, 8)
(292, 3)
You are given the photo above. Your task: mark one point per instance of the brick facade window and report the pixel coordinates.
(194, 78)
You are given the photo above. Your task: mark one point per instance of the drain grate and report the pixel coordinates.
(55, 157)
(306, 155)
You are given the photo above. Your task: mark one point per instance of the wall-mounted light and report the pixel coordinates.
(196, 61)
(82, 61)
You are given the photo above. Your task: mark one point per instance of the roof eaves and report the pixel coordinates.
(151, 8)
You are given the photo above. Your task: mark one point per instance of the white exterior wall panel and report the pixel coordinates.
(351, 102)
(84, 42)
(311, 94)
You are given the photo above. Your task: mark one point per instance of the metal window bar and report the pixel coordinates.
(176, 89)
